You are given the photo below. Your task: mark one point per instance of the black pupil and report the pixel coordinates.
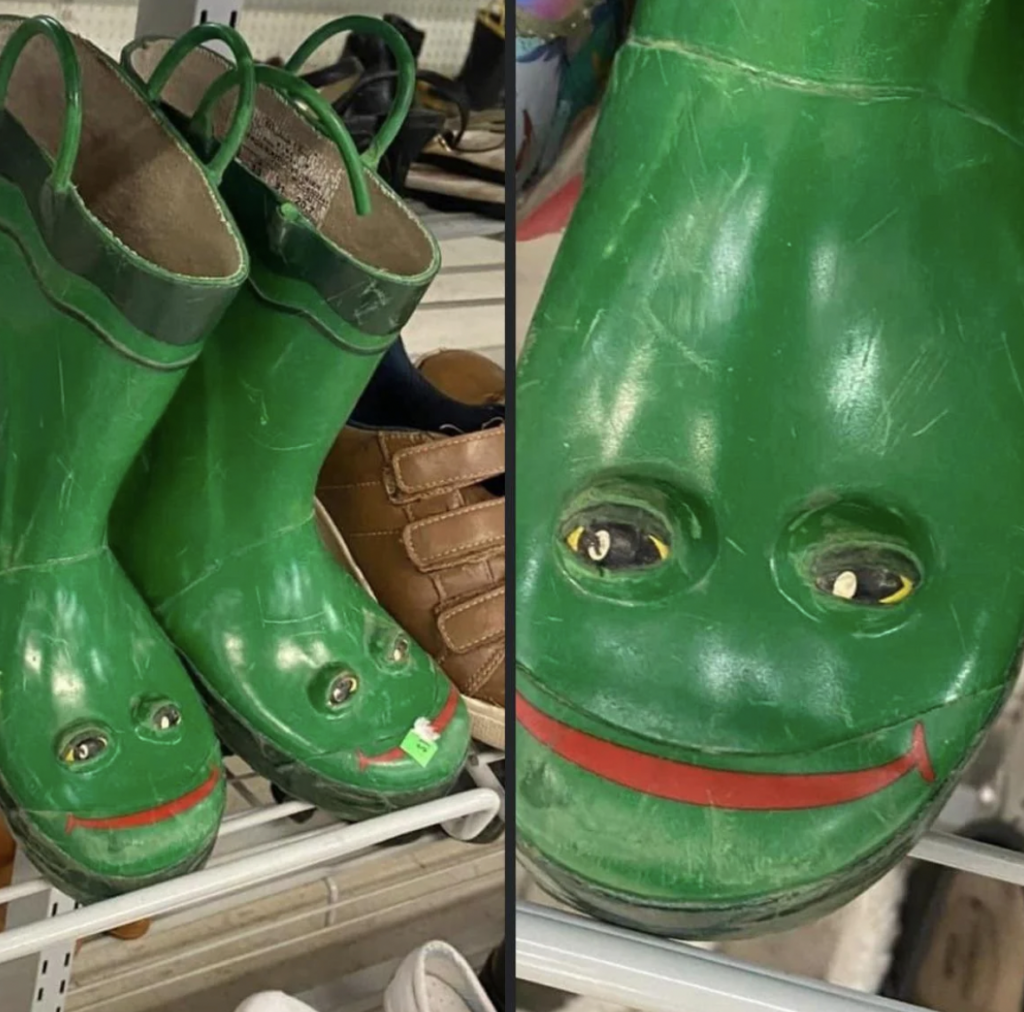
(88, 748)
(341, 690)
(166, 717)
(874, 584)
(616, 546)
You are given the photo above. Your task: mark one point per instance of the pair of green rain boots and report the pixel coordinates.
(180, 342)
(770, 589)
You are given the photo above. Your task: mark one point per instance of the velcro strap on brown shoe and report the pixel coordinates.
(450, 538)
(456, 462)
(474, 622)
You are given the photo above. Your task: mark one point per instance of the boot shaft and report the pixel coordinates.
(330, 288)
(76, 410)
(110, 276)
(256, 416)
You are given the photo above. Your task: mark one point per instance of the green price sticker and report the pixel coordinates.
(419, 749)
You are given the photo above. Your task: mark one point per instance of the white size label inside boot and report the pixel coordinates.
(307, 178)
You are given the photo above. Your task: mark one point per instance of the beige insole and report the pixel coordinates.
(131, 173)
(302, 165)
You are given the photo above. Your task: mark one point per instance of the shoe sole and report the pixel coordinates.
(297, 779)
(703, 921)
(335, 544)
(488, 722)
(77, 881)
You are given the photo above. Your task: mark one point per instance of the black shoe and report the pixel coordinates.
(370, 65)
(483, 73)
(492, 977)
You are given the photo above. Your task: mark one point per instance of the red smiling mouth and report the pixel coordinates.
(150, 816)
(717, 788)
(439, 723)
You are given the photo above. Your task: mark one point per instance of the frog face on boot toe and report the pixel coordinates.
(87, 746)
(87, 749)
(835, 610)
(136, 787)
(750, 613)
(331, 700)
(338, 693)
(750, 672)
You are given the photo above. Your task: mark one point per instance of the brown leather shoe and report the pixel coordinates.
(413, 515)
(465, 376)
(430, 540)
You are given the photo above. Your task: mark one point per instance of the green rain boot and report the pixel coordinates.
(306, 677)
(116, 258)
(771, 467)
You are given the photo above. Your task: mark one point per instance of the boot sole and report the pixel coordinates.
(76, 881)
(705, 921)
(298, 780)
(488, 722)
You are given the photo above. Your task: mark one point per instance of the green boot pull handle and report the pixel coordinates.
(71, 137)
(293, 87)
(245, 67)
(406, 73)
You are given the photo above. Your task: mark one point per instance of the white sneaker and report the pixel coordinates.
(273, 1001)
(435, 978)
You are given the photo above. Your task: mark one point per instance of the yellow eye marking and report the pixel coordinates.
(663, 549)
(69, 756)
(573, 540)
(904, 592)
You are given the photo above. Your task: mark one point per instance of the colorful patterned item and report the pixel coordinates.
(564, 50)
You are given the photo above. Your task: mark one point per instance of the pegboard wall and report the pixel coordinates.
(276, 27)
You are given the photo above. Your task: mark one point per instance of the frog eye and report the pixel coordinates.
(341, 689)
(617, 538)
(84, 748)
(156, 719)
(399, 651)
(166, 717)
(867, 576)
